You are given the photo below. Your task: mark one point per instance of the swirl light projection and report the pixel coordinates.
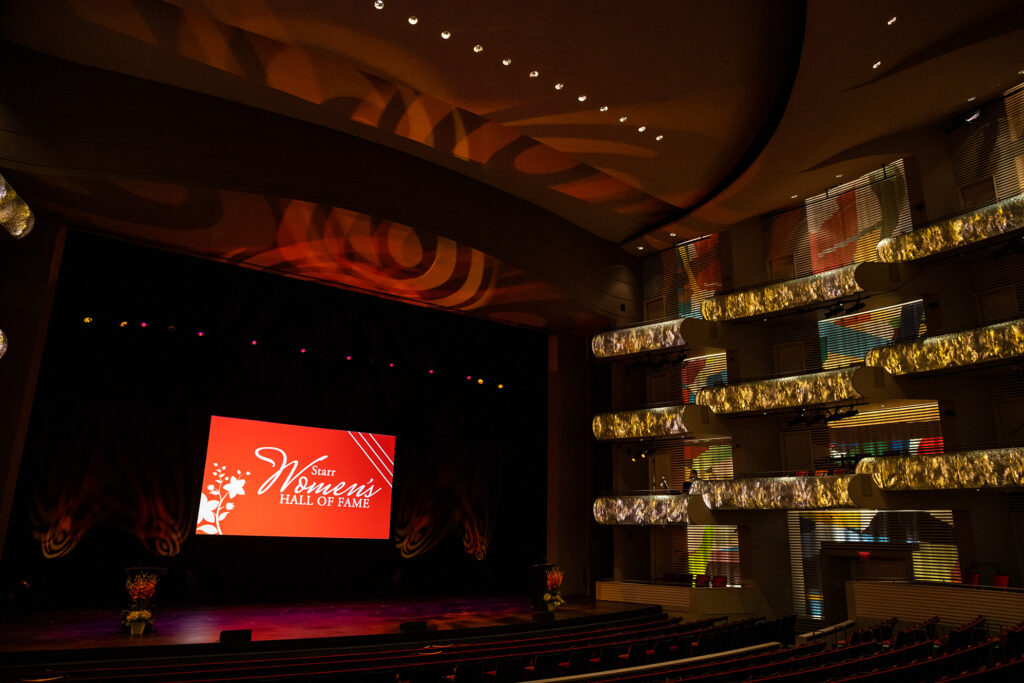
(996, 468)
(635, 424)
(15, 216)
(776, 493)
(973, 226)
(781, 296)
(994, 342)
(641, 339)
(644, 510)
(782, 392)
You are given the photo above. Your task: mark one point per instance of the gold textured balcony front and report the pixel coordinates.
(973, 226)
(636, 424)
(776, 493)
(994, 342)
(16, 218)
(780, 296)
(996, 468)
(646, 510)
(641, 339)
(831, 386)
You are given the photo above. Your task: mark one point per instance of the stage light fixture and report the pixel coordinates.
(430, 372)
(124, 323)
(391, 365)
(199, 333)
(348, 357)
(501, 386)
(480, 381)
(302, 350)
(856, 306)
(142, 324)
(86, 320)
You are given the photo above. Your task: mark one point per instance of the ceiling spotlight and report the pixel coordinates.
(876, 64)
(633, 459)
(379, 4)
(302, 350)
(534, 73)
(973, 116)
(413, 20)
(559, 86)
(446, 34)
(659, 138)
(86, 320)
(641, 129)
(478, 48)
(623, 119)
(891, 21)
(501, 386)
(199, 333)
(582, 98)
(124, 323)
(253, 342)
(142, 324)
(506, 61)
(971, 98)
(604, 107)
(839, 175)
(640, 247)
(793, 196)
(480, 381)
(671, 234)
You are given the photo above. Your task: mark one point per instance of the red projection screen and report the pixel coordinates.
(269, 479)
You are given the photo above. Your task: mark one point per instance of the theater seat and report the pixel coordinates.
(703, 581)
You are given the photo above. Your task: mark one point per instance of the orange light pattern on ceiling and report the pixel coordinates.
(346, 94)
(327, 244)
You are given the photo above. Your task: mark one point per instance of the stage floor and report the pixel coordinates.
(190, 626)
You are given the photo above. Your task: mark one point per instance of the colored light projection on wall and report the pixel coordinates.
(909, 429)
(703, 371)
(845, 340)
(701, 264)
(840, 227)
(709, 461)
(929, 535)
(713, 550)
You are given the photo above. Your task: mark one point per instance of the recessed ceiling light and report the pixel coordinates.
(891, 21)
(582, 98)
(622, 119)
(876, 64)
(671, 234)
(414, 20)
(446, 34)
(534, 73)
(559, 86)
(971, 98)
(1021, 72)
(793, 196)
(478, 48)
(640, 247)
(641, 129)
(604, 107)
(659, 138)
(506, 61)
(379, 4)
(839, 175)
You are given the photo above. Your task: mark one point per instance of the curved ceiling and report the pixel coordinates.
(743, 106)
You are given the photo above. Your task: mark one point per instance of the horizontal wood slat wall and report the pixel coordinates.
(954, 605)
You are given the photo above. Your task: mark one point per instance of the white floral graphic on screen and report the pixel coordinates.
(215, 502)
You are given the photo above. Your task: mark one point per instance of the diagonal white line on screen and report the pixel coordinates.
(377, 455)
(382, 450)
(386, 481)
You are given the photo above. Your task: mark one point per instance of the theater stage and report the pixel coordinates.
(68, 635)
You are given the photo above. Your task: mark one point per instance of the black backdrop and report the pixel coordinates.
(112, 468)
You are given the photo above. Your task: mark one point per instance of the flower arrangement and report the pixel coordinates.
(141, 587)
(553, 596)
